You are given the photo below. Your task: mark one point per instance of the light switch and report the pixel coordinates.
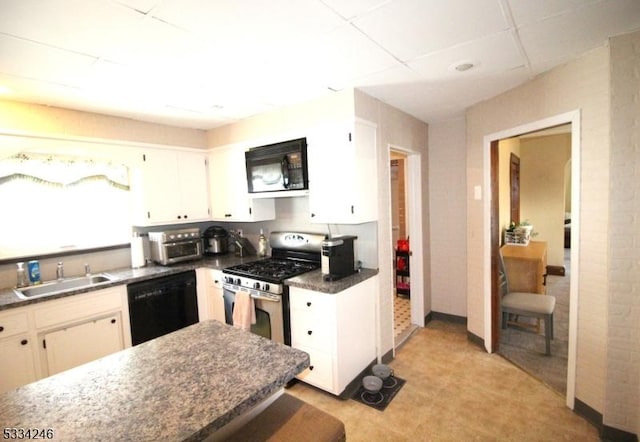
(477, 192)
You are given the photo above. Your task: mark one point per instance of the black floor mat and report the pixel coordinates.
(380, 400)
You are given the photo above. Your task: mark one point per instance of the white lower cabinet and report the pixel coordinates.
(81, 343)
(338, 332)
(210, 302)
(17, 364)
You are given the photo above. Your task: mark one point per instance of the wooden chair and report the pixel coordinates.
(533, 305)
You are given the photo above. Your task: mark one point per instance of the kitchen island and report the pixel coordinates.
(183, 386)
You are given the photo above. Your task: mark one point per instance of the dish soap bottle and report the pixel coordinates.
(262, 244)
(21, 276)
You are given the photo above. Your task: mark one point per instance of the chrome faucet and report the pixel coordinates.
(60, 271)
(87, 270)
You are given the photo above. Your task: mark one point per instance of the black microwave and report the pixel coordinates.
(278, 167)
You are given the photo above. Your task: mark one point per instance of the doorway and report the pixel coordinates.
(491, 236)
(532, 182)
(403, 326)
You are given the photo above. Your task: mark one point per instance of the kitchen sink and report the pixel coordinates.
(57, 287)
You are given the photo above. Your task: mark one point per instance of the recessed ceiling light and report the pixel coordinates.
(462, 65)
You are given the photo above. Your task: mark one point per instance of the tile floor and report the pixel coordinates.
(455, 391)
(402, 314)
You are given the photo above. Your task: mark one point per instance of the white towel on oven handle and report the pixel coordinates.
(244, 311)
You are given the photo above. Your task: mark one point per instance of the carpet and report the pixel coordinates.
(525, 348)
(380, 400)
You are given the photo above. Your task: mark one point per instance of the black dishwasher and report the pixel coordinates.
(162, 305)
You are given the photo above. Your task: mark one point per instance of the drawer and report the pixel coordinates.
(75, 308)
(13, 324)
(305, 300)
(312, 331)
(320, 371)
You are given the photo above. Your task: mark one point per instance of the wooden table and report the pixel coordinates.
(526, 266)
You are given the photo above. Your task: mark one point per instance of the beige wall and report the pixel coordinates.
(398, 130)
(542, 186)
(49, 120)
(448, 220)
(581, 84)
(622, 406)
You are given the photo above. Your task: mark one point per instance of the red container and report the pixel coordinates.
(403, 245)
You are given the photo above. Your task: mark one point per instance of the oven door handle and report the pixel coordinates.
(265, 298)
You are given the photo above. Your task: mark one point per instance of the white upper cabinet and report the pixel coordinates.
(230, 200)
(343, 185)
(170, 187)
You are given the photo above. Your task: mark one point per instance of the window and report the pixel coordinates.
(54, 203)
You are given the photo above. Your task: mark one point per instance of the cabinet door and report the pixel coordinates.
(192, 179)
(215, 302)
(81, 343)
(230, 200)
(161, 194)
(343, 174)
(17, 363)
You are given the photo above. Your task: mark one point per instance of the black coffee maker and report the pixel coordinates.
(338, 258)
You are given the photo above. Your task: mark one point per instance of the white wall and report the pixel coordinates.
(581, 84)
(448, 209)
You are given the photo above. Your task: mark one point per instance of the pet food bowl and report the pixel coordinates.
(382, 371)
(372, 384)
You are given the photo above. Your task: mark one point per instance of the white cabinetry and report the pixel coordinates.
(17, 363)
(170, 187)
(81, 328)
(230, 199)
(84, 342)
(343, 173)
(338, 332)
(215, 301)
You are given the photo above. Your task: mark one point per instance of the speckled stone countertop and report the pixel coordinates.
(180, 387)
(315, 281)
(8, 298)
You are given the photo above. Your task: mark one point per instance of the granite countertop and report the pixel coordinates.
(180, 387)
(315, 281)
(8, 298)
(311, 280)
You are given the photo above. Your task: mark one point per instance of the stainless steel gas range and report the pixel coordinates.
(292, 254)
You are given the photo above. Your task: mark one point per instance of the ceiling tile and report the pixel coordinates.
(26, 59)
(411, 28)
(353, 8)
(495, 53)
(564, 37)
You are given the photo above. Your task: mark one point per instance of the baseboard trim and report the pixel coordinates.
(607, 433)
(445, 317)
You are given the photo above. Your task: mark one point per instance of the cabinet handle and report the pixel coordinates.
(309, 332)
(185, 217)
(308, 304)
(313, 215)
(24, 342)
(311, 367)
(1, 328)
(113, 321)
(227, 215)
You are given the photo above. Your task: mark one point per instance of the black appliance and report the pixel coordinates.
(292, 254)
(162, 305)
(279, 167)
(339, 257)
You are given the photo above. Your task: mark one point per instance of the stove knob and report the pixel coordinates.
(238, 281)
(266, 287)
(256, 285)
(227, 279)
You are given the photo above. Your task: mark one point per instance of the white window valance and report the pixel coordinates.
(62, 171)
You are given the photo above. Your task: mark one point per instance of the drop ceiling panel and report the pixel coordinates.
(411, 28)
(564, 37)
(84, 26)
(354, 8)
(494, 53)
(26, 59)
